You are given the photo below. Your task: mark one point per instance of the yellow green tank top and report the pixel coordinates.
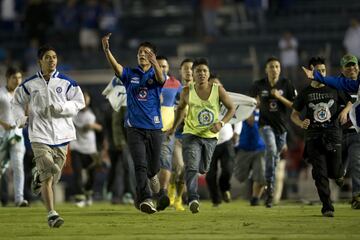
(202, 114)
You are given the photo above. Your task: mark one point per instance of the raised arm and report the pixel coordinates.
(118, 69)
(340, 82)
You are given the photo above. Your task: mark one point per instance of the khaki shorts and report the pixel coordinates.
(49, 160)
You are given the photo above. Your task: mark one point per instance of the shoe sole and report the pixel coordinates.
(163, 203)
(147, 209)
(57, 223)
(194, 207)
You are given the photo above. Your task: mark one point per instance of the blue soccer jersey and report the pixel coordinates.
(143, 98)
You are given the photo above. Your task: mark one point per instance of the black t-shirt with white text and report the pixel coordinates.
(272, 111)
(322, 106)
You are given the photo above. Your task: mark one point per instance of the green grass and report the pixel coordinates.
(236, 220)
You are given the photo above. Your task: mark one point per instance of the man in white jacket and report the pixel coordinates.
(52, 100)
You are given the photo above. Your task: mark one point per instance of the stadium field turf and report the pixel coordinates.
(235, 220)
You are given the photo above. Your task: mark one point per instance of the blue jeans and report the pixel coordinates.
(351, 144)
(274, 144)
(197, 153)
(166, 154)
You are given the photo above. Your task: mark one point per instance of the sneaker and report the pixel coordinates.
(23, 203)
(55, 221)
(81, 203)
(154, 184)
(340, 182)
(269, 195)
(226, 196)
(194, 206)
(35, 182)
(355, 203)
(172, 193)
(178, 204)
(147, 206)
(127, 199)
(328, 213)
(163, 201)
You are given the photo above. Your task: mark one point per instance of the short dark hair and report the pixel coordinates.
(43, 49)
(270, 59)
(161, 57)
(200, 61)
(186, 60)
(149, 45)
(11, 71)
(316, 61)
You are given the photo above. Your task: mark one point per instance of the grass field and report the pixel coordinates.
(236, 220)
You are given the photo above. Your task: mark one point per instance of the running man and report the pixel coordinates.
(202, 125)
(143, 121)
(53, 100)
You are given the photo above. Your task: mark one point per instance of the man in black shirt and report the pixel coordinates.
(274, 96)
(323, 116)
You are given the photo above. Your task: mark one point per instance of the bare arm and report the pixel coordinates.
(226, 100)
(282, 99)
(343, 116)
(295, 117)
(94, 126)
(118, 69)
(181, 110)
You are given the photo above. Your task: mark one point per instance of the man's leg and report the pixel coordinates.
(354, 159)
(17, 153)
(192, 154)
(227, 163)
(271, 155)
(211, 178)
(154, 149)
(136, 143)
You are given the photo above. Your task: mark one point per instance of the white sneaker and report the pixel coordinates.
(147, 206)
(81, 203)
(194, 206)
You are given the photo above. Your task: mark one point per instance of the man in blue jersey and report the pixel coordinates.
(143, 121)
(348, 81)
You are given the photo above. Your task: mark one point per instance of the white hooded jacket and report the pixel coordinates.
(51, 105)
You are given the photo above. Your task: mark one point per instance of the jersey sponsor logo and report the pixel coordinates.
(156, 119)
(135, 80)
(264, 93)
(142, 94)
(322, 110)
(273, 105)
(58, 89)
(205, 117)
